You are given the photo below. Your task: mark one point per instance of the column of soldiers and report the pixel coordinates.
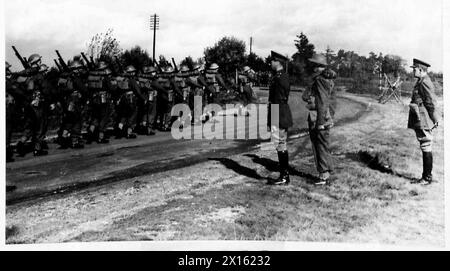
(97, 96)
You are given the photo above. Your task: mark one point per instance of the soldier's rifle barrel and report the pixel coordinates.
(90, 65)
(61, 60)
(57, 65)
(22, 60)
(174, 65)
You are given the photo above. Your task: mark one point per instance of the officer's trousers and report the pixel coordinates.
(320, 141)
(425, 139)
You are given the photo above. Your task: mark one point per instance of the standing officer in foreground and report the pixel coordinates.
(423, 116)
(279, 95)
(320, 118)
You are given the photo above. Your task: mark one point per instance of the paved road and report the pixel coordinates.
(63, 171)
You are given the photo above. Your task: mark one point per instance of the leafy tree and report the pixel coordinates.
(300, 65)
(137, 57)
(256, 63)
(188, 61)
(104, 47)
(228, 53)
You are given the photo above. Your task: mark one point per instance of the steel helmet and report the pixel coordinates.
(102, 65)
(149, 69)
(319, 59)
(43, 68)
(184, 69)
(168, 69)
(34, 58)
(214, 66)
(75, 65)
(246, 69)
(130, 69)
(198, 67)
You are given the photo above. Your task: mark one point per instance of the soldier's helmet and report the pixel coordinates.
(168, 69)
(246, 69)
(102, 66)
(130, 69)
(198, 67)
(319, 60)
(43, 68)
(75, 65)
(7, 65)
(184, 69)
(34, 59)
(149, 69)
(214, 66)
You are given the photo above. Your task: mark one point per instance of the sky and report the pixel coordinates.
(409, 28)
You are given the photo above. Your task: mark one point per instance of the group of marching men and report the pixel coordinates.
(135, 102)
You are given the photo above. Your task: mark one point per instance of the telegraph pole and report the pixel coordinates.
(154, 25)
(251, 42)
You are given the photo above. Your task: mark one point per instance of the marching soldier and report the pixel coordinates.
(150, 87)
(216, 84)
(36, 110)
(321, 103)
(99, 104)
(184, 92)
(197, 85)
(15, 97)
(74, 93)
(279, 95)
(423, 117)
(129, 90)
(166, 98)
(245, 86)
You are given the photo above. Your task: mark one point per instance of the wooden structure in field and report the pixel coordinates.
(388, 89)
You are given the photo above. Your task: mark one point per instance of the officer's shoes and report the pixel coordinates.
(40, 152)
(423, 181)
(282, 180)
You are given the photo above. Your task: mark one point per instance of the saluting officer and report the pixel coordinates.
(321, 103)
(279, 95)
(423, 116)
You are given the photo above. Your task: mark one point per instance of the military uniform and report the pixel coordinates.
(36, 109)
(166, 100)
(320, 119)
(129, 93)
(150, 87)
(423, 117)
(279, 90)
(73, 98)
(99, 86)
(215, 85)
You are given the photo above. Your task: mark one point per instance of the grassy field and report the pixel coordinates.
(227, 199)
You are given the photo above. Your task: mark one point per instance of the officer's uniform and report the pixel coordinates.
(279, 90)
(423, 115)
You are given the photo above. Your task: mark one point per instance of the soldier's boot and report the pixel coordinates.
(283, 159)
(120, 131)
(150, 130)
(90, 136)
(9, 154)
(77, 143)
(102, 139)
(141, 129)
(427, 177)
(38, 151)
(64, 142)
(130, 134)
(20, 149)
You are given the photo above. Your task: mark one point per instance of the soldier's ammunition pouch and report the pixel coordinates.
(95, 82)
(186, 92)
(101, 97)
(37, 99)
(170, 95)
(74, 101)
(151, 95)
(129, 97)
